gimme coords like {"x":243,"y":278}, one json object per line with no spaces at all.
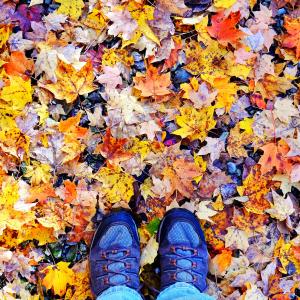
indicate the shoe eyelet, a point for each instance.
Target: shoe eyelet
{"x":194,"y":265}
{"x":172,"y":249}
{"x":194,"y":279}
{"x":105,"y":268}
{"x":106,"y":280}
{"x":103,"y":255}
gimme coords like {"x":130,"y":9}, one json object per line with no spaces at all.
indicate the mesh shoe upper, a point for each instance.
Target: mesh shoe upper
{"x":183,"y":250}
{"x":115,"y":253}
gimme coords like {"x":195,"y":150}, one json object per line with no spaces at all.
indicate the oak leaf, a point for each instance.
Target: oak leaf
{"x":224,"y":28}
{"x":71,"y":83}
{"x":57,"y":277}
{"x":153,"y":84}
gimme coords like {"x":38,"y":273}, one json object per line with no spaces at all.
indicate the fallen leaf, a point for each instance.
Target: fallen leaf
{"x":149,"y":253}
{"x":70,"y":7}
{"x":71,"y":83}
{"x":224,"y":28}
{"x":282,"y":208}
{"x":57,"y":277}
{"x":153,"y":84}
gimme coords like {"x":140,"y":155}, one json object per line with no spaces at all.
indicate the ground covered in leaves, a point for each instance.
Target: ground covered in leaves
{"x":148,"y":106}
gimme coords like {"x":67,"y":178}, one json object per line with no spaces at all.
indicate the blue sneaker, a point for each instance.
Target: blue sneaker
{"x":182,"y":249}
{"x":115,"y":253}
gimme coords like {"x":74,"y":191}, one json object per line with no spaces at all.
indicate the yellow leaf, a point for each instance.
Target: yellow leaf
{"x":200,"y":162}
{"x":57,"y":277}
{"x":40,"y":233}
{"x":9,"y":193}
{"x":38,"y":172}
{"x":223,"y":3}
{"x":246,"y":124}
{"x":17,"y":94}
{"x":5,"y":31}
{"x":95,"y":20}
{"x":142,"y":16}
{"x":226,"y":92}
{"x":116,"y":184}
{"x":195,"y":123}
{"x":71,"y":83}
{"x":71,"y":8}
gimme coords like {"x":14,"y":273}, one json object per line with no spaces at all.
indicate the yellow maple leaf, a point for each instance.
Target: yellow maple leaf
{"x":95,"y":20}
{"x":9,"y":193}
{"x":38,"y":172}
{"x":5,"y":31}
{"x":226,"y":92}
{"x":17,"y":94}
{"x":57,"y":277}
{"x":71,"y":8}
{"x":71,"y":83}
{"x":116,"y":184}
{"x":195,"y":123}
{"x":142,"y":16}
{"x":223,"y":3}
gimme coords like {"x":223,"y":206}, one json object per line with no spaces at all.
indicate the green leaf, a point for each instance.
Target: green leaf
{"x":152,"y":227}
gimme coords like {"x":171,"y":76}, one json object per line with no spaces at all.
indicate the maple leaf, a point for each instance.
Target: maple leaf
{"x":224,"y":28}
{"x":153,"y":84}
{"x":116,"y":184}
{"x":111,"y":77}
{"x":57,"y":277}
{"x":195,"y":124}
{"x":38,"y":172}
{"x":122,"y":24}
{"x":19,"y":65}
{"x":236,"y":239}
{"x":181,"y":175}
{"x":18,"y":93}
{"x":71,"y":8}
{"x":113,"y":149}
{"x":274,"y":156}
{"x":220,"y":263}
{"x":204,"y":212}
{"x":292,"y":38}
{"x":71,"y":83}
{"x":5,"y":31}
{"x":282,"y":208}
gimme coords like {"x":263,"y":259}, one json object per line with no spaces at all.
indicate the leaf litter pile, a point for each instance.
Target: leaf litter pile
{"x":149,"y":106}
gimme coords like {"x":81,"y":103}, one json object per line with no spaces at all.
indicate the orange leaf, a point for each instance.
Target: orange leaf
{"x":274,"y":156}
{"x":224,"y":28}
{"x":41,"y":193}
{"x":153,"y":84}
{"x":222,"y":261}
{"x":292,"y":38}
{"x":70,"y":191}
{"x":71,"y":126}
{"x":113,"y":149}
{"x":19,"y":65}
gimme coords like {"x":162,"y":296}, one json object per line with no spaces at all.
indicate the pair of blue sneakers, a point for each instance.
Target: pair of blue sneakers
{"x":115,"y":251}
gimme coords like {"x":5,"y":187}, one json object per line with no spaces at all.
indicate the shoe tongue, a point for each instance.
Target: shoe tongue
{"x":184,"y":263}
